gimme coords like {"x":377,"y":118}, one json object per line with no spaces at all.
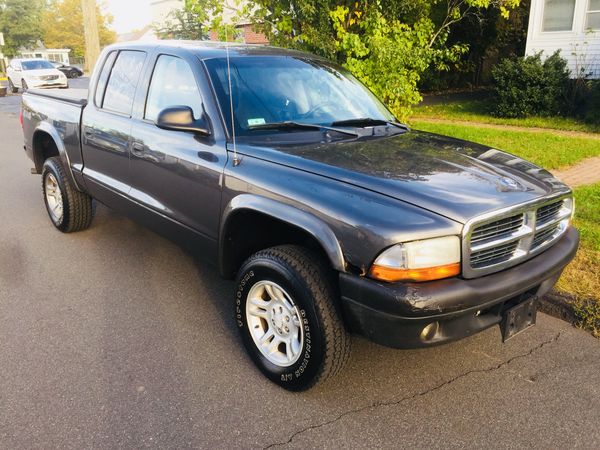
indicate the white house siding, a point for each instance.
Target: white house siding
{"x":580,"y":47}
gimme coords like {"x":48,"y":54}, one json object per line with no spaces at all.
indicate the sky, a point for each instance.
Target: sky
{"x":128,"y":15}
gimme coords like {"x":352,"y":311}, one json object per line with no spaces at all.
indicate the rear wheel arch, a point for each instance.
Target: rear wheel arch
{"x":44,"y":147}
{"x":253,"y":223}
{"x":46,"y":143}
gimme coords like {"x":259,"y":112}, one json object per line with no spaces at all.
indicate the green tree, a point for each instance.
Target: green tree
{"x":186,"y":23}
{"x":20,"y":23}
{"x":199,"y":17}
{"x":62,"y":26}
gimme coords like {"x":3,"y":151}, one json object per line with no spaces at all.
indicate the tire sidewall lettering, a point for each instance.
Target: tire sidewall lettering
{"x":309,"y":361}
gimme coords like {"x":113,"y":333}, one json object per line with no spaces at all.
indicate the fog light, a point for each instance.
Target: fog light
{"x":430,"y":331}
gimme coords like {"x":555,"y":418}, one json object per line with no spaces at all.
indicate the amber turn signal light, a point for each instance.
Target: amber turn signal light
{"x":383,"y":273}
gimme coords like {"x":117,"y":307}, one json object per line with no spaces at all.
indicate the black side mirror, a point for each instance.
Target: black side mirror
{"x":181,"y":118}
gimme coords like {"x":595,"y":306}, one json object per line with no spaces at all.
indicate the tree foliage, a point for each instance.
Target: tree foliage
{"x":20,"y":23}
{"x":190,"y":22}
{"x":198,"y":18}
{"x":62,"y":26}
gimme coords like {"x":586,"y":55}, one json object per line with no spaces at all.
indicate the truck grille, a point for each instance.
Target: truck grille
{"x":493,"y":255}
{"x":49,"y":77}
{"x":498,"y":241}
{"x":497,"y":228}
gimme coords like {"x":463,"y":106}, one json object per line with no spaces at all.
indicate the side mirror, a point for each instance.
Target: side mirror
{"x":181,"y":118}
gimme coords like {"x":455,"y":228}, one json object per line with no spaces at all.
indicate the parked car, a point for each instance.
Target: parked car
{"x":288,"y":174}
{"x":34,"y":73}
{"x":69,"y":71}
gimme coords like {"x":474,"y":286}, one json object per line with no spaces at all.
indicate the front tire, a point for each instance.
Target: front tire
{"x":286,"y":314}
{"x":69,"y":209}
{"x":24,"y":85}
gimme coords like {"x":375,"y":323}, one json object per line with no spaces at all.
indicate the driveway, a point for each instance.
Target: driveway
{"x":116,"y":338}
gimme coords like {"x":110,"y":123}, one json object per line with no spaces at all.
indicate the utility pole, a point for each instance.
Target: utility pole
{"x":90,"y":31}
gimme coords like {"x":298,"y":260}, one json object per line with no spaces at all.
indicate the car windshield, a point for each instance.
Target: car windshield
{"x":275,"y":89}
{"x":37,"y":65}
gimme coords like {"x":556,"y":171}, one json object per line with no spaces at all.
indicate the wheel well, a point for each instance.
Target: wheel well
{"x":44,"y":147}
{"x":249,"y":231}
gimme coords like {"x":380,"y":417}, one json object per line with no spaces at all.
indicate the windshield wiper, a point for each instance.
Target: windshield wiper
{"x":367,"y":122}
{"x":291,"y":125}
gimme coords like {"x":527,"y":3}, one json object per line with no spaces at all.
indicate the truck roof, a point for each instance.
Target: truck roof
{"x":215,"y":49}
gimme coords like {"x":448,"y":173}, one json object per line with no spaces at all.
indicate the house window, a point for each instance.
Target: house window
{"x":558,"y":15}
{"x":593,"y":15}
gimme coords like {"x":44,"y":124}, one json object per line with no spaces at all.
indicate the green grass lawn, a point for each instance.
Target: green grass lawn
{"x":540,"y":147}
{"x":581,"y":279}
{"x":480,"y":110}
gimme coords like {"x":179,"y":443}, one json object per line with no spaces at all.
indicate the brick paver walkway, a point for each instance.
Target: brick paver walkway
{"x":585,"y":172}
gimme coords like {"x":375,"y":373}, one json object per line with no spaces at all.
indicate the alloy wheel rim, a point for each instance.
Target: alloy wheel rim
{"x":53,"y":198}
{"x":274,"y":323}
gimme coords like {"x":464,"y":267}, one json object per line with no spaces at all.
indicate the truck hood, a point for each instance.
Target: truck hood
{"x":452,"y":177}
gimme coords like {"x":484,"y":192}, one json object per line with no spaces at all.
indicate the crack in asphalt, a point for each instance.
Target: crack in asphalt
{"x":415,"y":395}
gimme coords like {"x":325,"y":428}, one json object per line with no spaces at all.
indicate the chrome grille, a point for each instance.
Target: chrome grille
{"x":502,"y":239}
{"x":542,"y":236}
{"x":50,"y":77}
{"x":498,"y":228}
{"x":548,"y":212}
{"x":493,"y":255}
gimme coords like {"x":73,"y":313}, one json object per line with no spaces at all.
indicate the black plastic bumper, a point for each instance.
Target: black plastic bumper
{"x":395,"y":314}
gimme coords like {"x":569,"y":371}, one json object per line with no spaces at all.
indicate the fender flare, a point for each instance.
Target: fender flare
{"x":47,"y":128}
{"x":291,"y":215}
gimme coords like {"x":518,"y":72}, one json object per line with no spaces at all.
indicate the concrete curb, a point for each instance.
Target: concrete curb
{"x":557,"y":305}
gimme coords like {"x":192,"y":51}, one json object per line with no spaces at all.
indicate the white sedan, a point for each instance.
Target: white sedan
{"x":34,"y":73}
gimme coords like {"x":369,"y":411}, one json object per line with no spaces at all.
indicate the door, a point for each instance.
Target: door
{"x":106,"y":125}
{"x":14,"y":72}
{"x":176,"y":173}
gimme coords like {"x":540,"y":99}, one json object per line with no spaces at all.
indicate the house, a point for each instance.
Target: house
{"x":60,"y":55}
{"x":571,"y":26}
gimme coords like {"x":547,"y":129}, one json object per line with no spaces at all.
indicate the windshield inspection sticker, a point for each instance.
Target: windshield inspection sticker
{"x":253,"y":122}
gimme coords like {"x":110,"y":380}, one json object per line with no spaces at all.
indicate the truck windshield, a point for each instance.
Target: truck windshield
{"x":275,"y":89}
{"x":36,"y":65}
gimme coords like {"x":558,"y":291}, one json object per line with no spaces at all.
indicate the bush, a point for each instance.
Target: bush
{"x":529,"y":86}
{"x":592,"y":113}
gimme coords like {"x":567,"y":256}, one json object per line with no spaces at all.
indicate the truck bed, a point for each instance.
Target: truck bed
{"x":75,"y":96}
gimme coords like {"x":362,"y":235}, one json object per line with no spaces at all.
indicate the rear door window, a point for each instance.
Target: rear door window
{"x":120,"y":90}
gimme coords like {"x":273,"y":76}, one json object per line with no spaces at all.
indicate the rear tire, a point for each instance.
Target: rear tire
{"x":69,"y":209}
{"x":284,"y":292}
{"x":12,"y":87}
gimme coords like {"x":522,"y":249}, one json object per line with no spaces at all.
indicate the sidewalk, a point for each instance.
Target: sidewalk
{"x":585,"y":172}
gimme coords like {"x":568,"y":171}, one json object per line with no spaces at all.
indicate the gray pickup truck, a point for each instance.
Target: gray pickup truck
{"x":290,"y":176}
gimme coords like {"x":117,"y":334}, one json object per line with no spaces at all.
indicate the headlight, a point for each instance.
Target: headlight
{"x":429,"y":259}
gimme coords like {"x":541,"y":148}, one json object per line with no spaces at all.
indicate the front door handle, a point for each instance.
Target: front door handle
{"x":138,"y":149}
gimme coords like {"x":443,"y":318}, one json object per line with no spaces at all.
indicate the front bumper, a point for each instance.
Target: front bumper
{"x":47,"y":84}
{"x":395,"y":314}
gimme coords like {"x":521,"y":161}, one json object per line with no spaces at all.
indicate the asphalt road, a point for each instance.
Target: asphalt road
{"x":116,"y":338}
